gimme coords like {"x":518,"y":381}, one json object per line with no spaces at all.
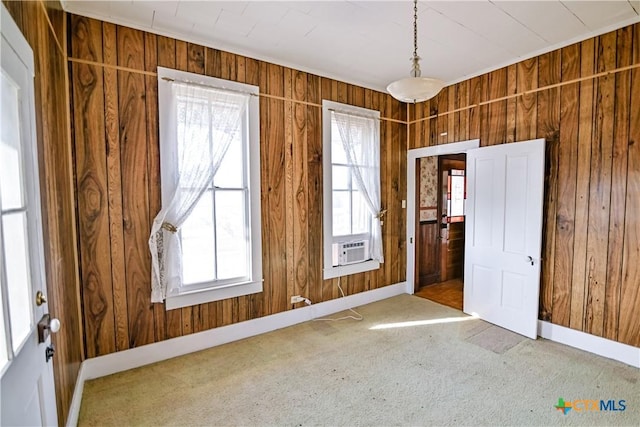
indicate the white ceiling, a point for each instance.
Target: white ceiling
{"x":369,"y":43}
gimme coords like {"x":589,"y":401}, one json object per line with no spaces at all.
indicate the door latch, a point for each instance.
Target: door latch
{"x":48,"y":353}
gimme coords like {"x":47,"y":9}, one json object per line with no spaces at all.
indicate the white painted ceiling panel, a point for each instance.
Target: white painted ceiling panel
{"x":167,"y":24}
{"x":295,"y":24}
{"x":597,"y":13}
{"x":553,"y":22}
{"x":204,"y":13}
{"x":369,"y":43}
{"x":492,"y":24}
{"x":167,"y":7}
{"x":270,"y":16}
{"x":95,"y":8}
{"x":133,"y":13}
{"x":461,"y":40}
{"x":233,"y":24}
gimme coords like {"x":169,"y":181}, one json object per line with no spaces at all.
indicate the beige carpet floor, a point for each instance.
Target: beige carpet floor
{"x":409,"y":362}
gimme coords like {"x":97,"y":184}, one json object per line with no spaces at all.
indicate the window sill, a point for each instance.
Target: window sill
{"x":188,"y":299}
{"x":345,"y":270}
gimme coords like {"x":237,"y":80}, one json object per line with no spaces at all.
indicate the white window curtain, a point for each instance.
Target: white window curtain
{"x":202,"y":123}
{"x":360,"y":139}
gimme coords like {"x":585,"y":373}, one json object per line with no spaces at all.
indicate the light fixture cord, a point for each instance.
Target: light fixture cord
{"x":415,"y":28}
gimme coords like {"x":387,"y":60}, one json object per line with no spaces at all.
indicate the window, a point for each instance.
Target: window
{"x":352,"y":225}
{"x":210,"y":153}
{"x":456,"y":193}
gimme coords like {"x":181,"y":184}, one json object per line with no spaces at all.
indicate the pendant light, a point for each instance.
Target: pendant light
{"x":415,"y":88}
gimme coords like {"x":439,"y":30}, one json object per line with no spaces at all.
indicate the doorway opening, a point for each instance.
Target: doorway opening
{"x":503,"y":227}
{"x":440,"y":193}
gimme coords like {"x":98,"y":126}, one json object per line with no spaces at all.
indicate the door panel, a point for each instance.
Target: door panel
{"x":428,"y":253}
{"x":482,"y":212}
{"x":504,"y":225}
{"x":515,"y":217}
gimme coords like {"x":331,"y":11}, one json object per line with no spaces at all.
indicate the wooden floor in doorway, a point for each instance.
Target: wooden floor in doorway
{"x":447,"y":293}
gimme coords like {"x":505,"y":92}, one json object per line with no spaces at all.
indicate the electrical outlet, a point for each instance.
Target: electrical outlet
{"x":296,"y":299}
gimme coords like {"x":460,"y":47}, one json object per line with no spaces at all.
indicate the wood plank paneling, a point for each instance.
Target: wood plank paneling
{"x":453,"y":122}
{"x":442,"y":100}
{"x":512,"y":87}
{"x":548,"y":127}
{"x":600,"y":189}
{"x":114,"y":186}
{"x":275,"y":217}
{"x":475,"y":92}
{"x":526,"y":104}
{"x":495,"y":121}
{"x":135,"y":195}
{"x":401,"y":173}
{"x":91,"y":188}
{"x":583,"y":177}
{"x":288,"y":188}
{"x":463,"y":101}
{"x":314,"y":188}
{"x":629,"y":324}
{"x":618,"y":184}
{"x":300,"y":194}
{"x":566,"y":187}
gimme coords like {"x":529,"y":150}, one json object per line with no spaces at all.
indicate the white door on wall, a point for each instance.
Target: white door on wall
{"x":27,"y":390}
{"x":505,"y":190}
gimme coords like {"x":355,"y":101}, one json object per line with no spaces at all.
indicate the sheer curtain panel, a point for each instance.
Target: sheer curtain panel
{"x":201,"y":124}
{"x":358,"y":135}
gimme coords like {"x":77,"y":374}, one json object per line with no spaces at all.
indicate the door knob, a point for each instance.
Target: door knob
{"x":40,"y":298}
{"x":54,"y":325}
{"x":47,"y":326}
{"x":530,"y":259}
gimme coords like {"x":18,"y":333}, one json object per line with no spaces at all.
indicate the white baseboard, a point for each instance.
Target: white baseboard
{"x":76,"y":400}
{"x":128,"y":359}
{"x":601,"y":346}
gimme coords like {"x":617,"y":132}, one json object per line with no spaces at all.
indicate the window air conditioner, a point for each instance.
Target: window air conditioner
{"x":346,"y":253}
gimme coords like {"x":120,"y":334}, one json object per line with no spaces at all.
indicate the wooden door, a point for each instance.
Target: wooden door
{"x":427,"y":225}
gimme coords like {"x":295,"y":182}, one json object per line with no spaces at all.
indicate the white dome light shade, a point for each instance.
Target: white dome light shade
{"x":415,"y":89}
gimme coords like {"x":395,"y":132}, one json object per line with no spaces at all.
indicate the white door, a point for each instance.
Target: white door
{"x":27,"y":391}
{"x":503,"y":236}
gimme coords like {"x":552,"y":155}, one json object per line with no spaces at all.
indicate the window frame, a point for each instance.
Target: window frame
{"x":222,"y":289}
{"x":329,"y":271}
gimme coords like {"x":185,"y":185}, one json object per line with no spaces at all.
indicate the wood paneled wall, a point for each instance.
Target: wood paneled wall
{"x":115,"y":122}
{"x":591,"y":249}
{"x":44,"y":26}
